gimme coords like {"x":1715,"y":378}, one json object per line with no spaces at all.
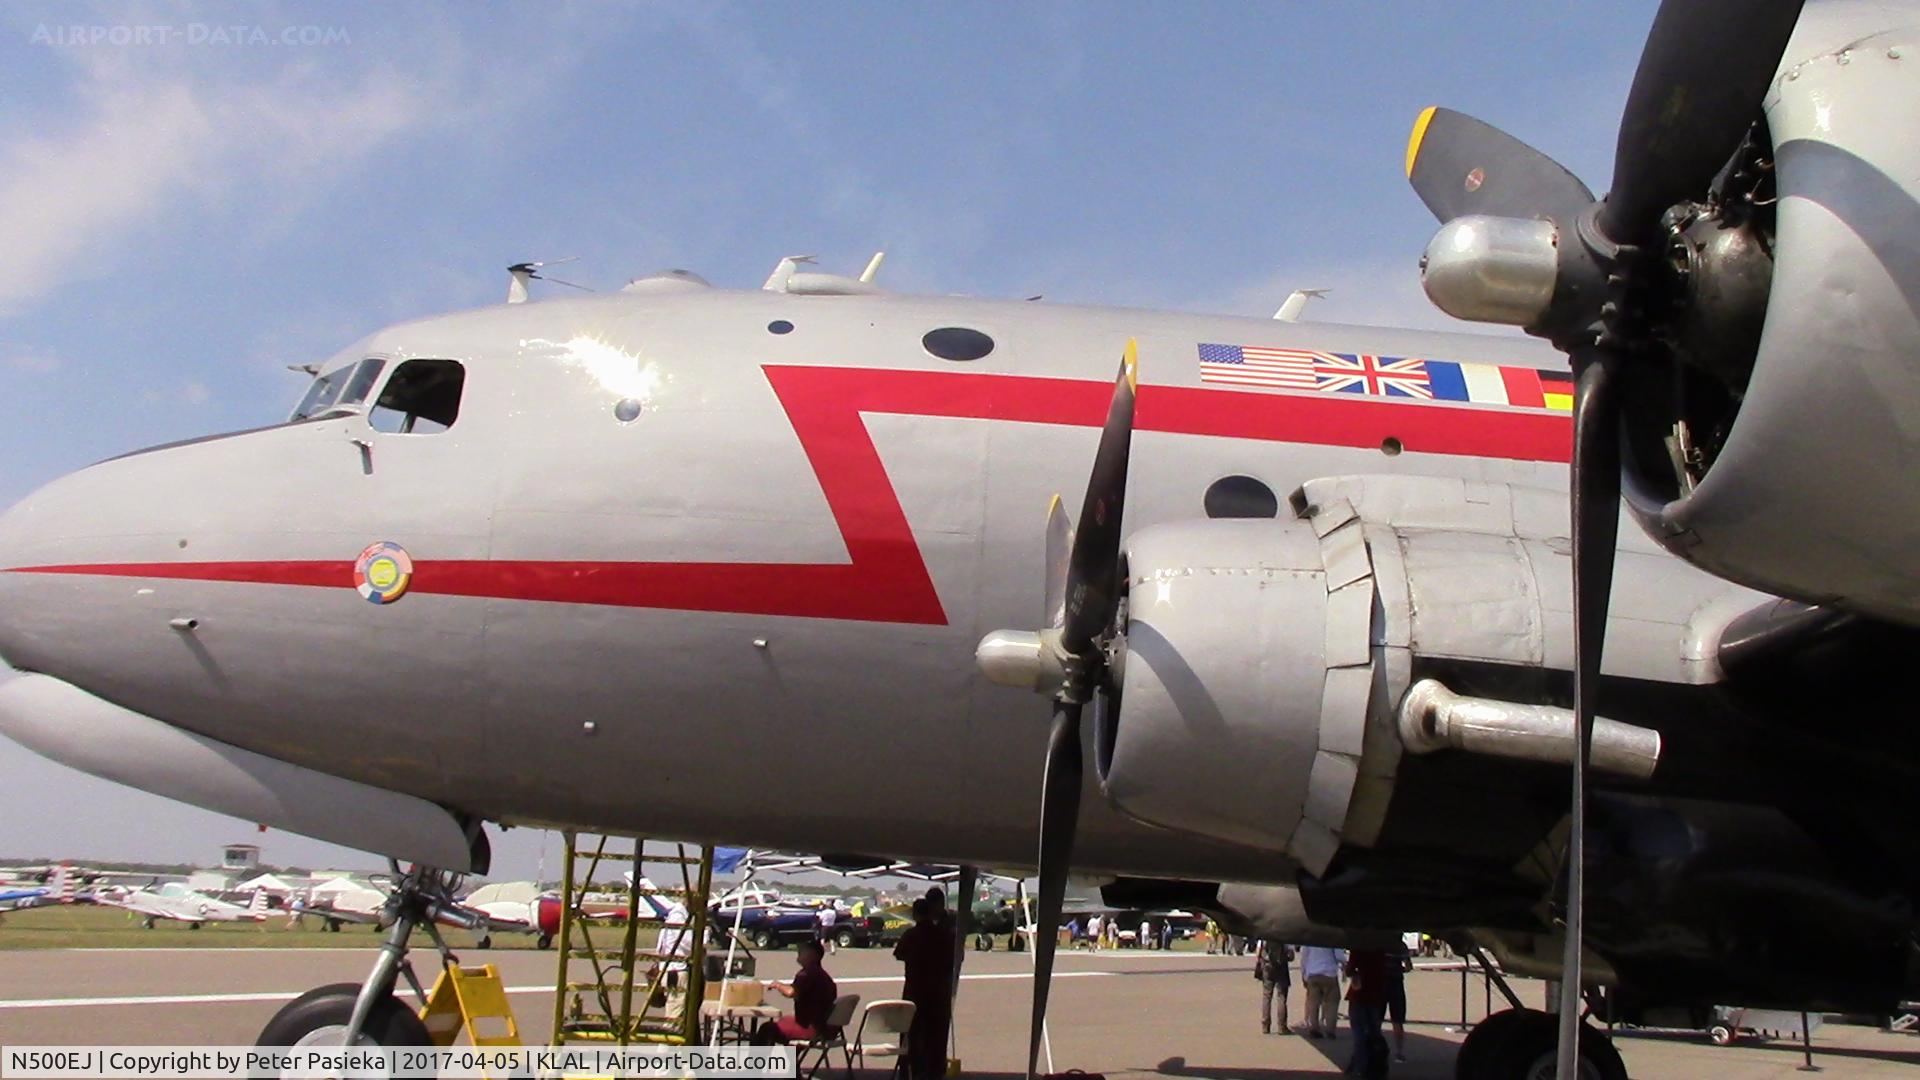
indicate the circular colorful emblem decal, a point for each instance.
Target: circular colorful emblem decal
{"x":383,"y":572}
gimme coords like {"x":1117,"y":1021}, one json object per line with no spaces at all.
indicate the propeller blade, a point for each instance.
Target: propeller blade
{"x":1596,"y":524}
{"x":558,"y":281}
{"x":1059,"y":817}
{"x":1705,"y":68}
{"x":1459,"y":165}
{"x":1092,"y":593}
{"x":1059,"y":550}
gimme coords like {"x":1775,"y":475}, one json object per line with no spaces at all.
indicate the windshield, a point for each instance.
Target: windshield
{"x":348,"y":384}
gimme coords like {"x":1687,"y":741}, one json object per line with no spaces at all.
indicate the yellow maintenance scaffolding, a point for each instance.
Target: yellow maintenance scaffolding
{"x":643,"y":944}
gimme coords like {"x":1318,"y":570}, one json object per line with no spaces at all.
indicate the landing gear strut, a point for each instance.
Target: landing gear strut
{"x":368,"y":1014}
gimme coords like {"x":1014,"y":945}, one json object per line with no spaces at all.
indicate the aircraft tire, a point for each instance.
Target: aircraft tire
{"x":1480,"y":1043}
{"x":982,"y":943}
{"x":333,"y":926}
{"x":485,"y":942}
{"x":543,"y":942}
{"x":1518,"y":1048}
{"x":147,"y":923}
{"x":311,"y":1018}
{"x":1721,"y":1035}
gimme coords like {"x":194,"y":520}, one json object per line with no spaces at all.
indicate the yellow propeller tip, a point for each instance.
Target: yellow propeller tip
{"x":1130,"y":363}
{"x":1419,"y":134}
{"x":1053,"y":504}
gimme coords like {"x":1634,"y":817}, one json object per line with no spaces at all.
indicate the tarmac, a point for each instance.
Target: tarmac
{"x":1133,"y":1014}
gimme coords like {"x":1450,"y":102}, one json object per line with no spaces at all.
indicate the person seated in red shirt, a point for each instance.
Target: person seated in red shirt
{"x":812,"y":991}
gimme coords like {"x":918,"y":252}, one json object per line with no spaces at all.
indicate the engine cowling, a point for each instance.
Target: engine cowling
{"x":1789,"y":466}
{"x":1264,"y":662}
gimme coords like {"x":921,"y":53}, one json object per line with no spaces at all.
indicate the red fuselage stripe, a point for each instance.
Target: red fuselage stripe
{"x":885,"y":578}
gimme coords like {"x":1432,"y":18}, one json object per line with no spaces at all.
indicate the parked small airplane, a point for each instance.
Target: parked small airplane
{"x":59,"y":889}
{"x":175,"y":902}
{"x":338,"y":903}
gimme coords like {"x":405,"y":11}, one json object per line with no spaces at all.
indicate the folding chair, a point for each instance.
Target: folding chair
{"x":880,"y":1020}
{"x":833,"y":1035}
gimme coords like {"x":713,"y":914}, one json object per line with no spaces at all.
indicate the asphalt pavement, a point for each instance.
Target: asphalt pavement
{"x":1178,"y":1014}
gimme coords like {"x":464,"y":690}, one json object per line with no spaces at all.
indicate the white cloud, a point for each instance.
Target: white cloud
{"x":1377,"y":293}
{"x":33,"y":363}
{"x":191,"y":392}
{"x":138,"y":142}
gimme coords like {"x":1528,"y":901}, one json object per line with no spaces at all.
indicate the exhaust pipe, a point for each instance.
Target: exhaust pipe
{"x":1433,"y":717}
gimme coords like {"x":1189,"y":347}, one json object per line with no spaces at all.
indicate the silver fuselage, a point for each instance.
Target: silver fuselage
{"x":747,"y":615}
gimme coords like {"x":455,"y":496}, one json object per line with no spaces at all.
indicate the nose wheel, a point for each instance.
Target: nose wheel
{"x":1520,"y":1044}
{"x":368,"y":1014}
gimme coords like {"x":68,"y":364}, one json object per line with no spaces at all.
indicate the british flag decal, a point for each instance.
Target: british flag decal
{"x":1381,"y":376}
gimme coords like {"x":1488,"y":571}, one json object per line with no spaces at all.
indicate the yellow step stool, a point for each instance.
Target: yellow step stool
{"x":473,"y":1000}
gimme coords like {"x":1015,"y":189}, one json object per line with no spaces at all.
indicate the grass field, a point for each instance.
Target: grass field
{"x":84,"y":926}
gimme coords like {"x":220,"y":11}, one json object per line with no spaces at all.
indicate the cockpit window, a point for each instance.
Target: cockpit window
{"x":422,"y":397}
{"x":346,"y":385}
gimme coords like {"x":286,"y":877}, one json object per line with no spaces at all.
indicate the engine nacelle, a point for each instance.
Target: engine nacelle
{"x":1265,"y":661}
{"x":1802,"y":483}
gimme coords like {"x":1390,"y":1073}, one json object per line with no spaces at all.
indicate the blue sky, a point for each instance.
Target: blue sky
{"x":183,"y":218}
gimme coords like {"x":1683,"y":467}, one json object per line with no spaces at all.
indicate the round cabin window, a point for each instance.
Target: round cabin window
{"x":1240,"y":497}
{"x":957,"y":343}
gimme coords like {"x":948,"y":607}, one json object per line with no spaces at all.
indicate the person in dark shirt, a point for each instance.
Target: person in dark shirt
{"x":1399,"y":963}
{"x":813,"y":993}
{"x":1366,"y":1008}
{"x":927,"y":951}
{"x":1273,"y":966}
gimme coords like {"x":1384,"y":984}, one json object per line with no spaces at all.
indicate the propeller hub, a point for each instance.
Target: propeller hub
{"x":1023,"y":659}
{"x":1493,"y":269}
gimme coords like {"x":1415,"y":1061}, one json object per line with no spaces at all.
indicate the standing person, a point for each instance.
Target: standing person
{"x":926,"y":949}
{"x":1272,"y":965}
{"x":1320,"y":970}
{"x":1095,"y":930}
{"x":1166,"y":934}
{"x":1366,"y":1008}
{"x":1213,"y":937}
{"x":813,"y":993}
{"x":824,"y":921}
{"x":1399,"y":962}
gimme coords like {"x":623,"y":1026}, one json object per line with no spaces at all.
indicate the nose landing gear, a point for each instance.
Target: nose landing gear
{"x":1519,"y":1044}
{"x":368,"y":1014}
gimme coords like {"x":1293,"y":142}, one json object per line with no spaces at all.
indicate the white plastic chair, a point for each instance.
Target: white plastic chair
{"x":882,"y":1033}
{"x":835,"y":1034}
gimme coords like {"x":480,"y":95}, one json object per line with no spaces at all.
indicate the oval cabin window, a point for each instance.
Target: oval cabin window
{"x":957,"y":343}
{"x":1240,"y":497}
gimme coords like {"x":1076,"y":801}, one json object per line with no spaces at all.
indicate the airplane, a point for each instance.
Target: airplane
{"x":59,"y":889}
{"x":174,"y":902}
{"x":1318,"y":595}
{"x":338,"y":903}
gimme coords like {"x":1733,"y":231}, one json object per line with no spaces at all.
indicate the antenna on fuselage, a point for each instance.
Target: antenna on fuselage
{"x":873,"y":267}
{"x":1296,"y":302}
{"x":777,"y":281}
{"x":519,"y":274}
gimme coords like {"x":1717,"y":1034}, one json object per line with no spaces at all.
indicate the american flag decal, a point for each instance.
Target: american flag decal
{"x":1385,"y":376}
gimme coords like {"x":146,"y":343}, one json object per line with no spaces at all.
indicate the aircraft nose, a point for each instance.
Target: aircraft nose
{"x":51,"y":620}
{"x":12,"y":550}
